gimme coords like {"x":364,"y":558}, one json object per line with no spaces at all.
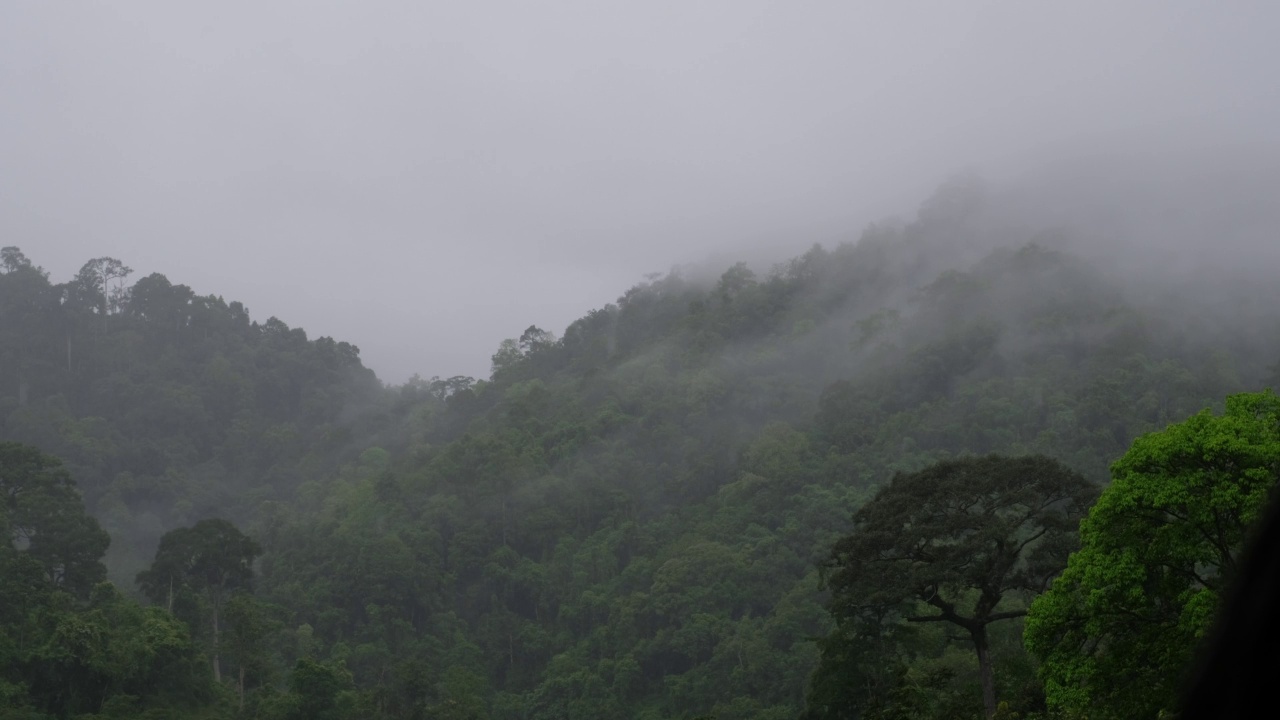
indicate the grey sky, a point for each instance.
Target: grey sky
{"x":426,"y":178}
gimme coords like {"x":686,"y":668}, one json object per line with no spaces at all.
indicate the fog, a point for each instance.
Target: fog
{"x":425,"y":179}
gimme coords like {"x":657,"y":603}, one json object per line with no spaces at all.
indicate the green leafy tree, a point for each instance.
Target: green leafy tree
{"x":973,"y":530}
{"x":248,"y":628}
{"x":114,"y":653}
{"x":45,"y":519}
{"x":1118,"y":628}
{"x":607,"y":526}
{"x":508,"y":355}
{"x":69,"y":643}
{"x":213,"y":559}
{"x":317,"y":691}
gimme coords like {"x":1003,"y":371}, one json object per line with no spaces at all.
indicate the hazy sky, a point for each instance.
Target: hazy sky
{"x":426,"y":178}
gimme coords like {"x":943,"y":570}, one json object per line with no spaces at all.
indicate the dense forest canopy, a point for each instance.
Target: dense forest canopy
{"x":628,"y":520}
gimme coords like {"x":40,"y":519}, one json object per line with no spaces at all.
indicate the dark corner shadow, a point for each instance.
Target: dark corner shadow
{"x":1240,"y":659}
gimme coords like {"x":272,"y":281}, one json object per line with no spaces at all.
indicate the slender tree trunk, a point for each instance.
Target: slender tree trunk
{"x":240,"y":687}
{"x":217,"y":665}
{"x":979,"y":634}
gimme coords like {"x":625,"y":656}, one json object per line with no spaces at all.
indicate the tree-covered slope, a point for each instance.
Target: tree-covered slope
{"x":625,"y":521}
{"x":167,"y":406}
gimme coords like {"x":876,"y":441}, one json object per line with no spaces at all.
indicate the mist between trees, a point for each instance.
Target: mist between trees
{"x":684,"y":505}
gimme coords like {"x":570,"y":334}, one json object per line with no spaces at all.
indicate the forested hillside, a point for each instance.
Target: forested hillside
{"x":627,"y":521}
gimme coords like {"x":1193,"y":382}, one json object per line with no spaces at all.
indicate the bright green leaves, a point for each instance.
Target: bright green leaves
{"x":1118,"y":627}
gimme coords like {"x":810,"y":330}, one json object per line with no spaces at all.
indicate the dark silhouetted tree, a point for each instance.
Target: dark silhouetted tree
{"x":969,"y":531}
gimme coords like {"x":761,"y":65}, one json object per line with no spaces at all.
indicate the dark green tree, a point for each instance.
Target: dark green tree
{"x":317,"y":691}
{"x":44,"y":518}
{"x":248,"y":626}
{"x":213,"y":559}
{"x":974,"y":531}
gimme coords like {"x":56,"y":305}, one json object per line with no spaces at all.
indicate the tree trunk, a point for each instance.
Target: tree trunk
{"x":240,"y":687}
{"x":504,"y":520}
{"x":979,"y":634}
{"x":217,"y":666}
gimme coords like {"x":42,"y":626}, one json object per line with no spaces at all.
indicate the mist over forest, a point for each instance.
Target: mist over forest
{"x":331,"y":163}
{"x":641,"y":515}
{"x":731,"y":360}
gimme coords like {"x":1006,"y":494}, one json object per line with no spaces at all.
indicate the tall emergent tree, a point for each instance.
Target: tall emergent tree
{"x":100,"y":285}
{"x":973,"y":530}
{"x":213,"y":559}
{"x":1116,"y":632}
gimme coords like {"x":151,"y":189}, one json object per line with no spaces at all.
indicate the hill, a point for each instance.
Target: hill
{"x":627,"y":520}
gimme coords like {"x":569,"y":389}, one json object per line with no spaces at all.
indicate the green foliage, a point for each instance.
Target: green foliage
{"x":65,"y":650}
{"x":167,"y":406}
{"x":979,"y":529}
{"x":45,"y":519}
{"x":212,"y":556}
{"x":205,"y":563}
{"x":316,"y":692}
{"x":1117,"y":629}
{"x":623,"y":522}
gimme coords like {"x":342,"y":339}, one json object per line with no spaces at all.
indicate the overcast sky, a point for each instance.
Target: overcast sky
{"x":426,"y":178}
